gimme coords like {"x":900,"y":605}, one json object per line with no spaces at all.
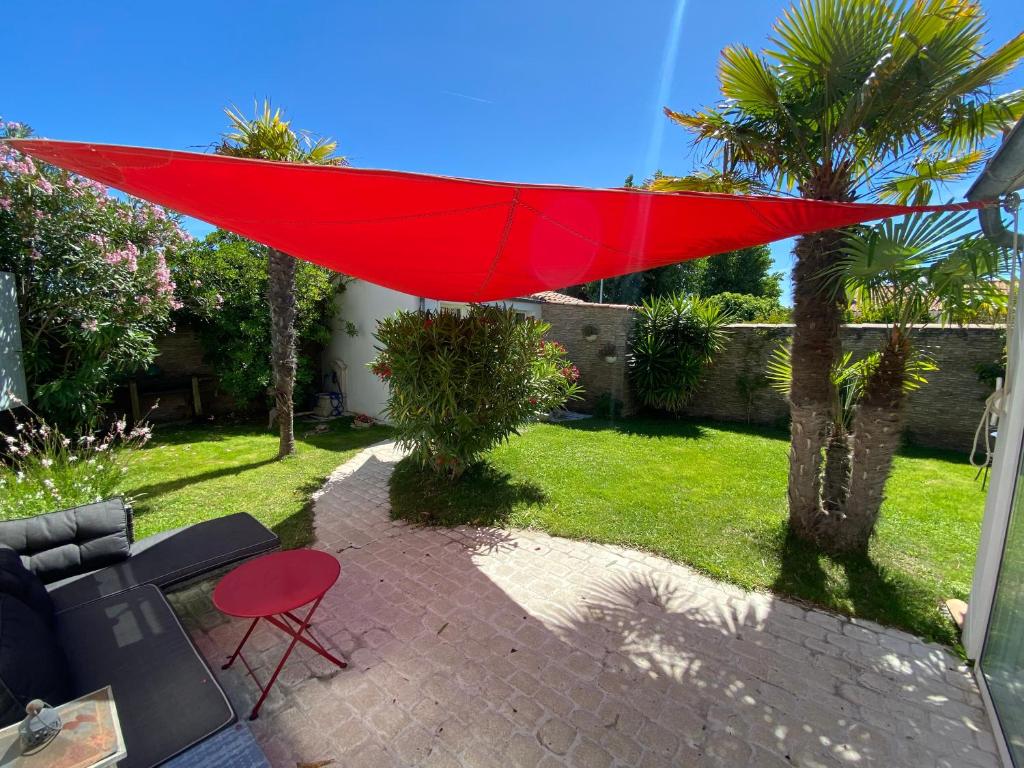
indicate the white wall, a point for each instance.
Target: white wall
{"x":362,"y":304}
{"x":12,"y":374}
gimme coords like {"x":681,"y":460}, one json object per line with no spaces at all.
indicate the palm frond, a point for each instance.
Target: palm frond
{"x":916,"y":185}
{"x":990,"y":68}
{"x":921,"y":264}
{"x":734,"y":183}
{"x":268,"y":136}
{"x":779,"y":369}
{"x":970,"y":122}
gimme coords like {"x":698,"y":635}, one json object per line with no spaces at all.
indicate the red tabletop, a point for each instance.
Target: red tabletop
{"x":276,"y":583}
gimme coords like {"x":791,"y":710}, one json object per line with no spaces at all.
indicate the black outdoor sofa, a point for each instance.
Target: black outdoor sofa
{"x":82,"y":607}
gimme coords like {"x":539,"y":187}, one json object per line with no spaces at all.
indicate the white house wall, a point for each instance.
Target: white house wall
{"x":362,"y":304}
{"x":12,"y":374}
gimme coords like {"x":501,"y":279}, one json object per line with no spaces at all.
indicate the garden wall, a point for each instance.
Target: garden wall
{"x":944,"y":413}
{"x":613,"y":322}
{"x":170,"y":382}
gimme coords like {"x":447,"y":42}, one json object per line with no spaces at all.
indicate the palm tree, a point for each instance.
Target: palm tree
{"x":913,"y":267}
{"x":856,"y":99}
{"x":268,"y":136}
{"x":847,"y":385}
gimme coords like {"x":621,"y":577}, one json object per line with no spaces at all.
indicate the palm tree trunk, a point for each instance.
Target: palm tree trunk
{"x":816,"y":318}
{"x":877,"y":429}
{"x":283,"y":310}
{"x":837,"y":469}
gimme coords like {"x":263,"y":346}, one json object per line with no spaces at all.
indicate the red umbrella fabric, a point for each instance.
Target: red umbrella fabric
{"x":449,"y":238}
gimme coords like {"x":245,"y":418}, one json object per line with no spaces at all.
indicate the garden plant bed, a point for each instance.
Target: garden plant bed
{"x":713,"y":496}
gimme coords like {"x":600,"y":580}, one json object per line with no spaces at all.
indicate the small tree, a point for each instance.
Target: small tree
{"x":268,"y":136}
{"x":744,"y":308}
{"x":94,"y":288}
{"x":461,"y":385}
{"x":674,"y":339}
{"x":911,"y":266}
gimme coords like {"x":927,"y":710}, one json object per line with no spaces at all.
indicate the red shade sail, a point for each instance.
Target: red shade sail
{"x":449,"y":238}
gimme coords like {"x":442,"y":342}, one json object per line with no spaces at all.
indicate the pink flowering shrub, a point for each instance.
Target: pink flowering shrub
{"x":47,"y":470}
{"x":461,"y":385}
{"x":94,"y":286}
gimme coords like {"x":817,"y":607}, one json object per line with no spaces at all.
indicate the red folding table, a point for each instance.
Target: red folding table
{"x":271,"y":588}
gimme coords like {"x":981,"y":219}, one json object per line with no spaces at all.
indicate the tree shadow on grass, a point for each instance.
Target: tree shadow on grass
{"x":639,"y":427}
{"x":338,"y":436}
{"x":146,"y":492}
{"x":667,"y":426}
{"x":296,"y":530}
{"x":183,"y":434}
{"x":869,"y":591}
{"x":483,"y":495}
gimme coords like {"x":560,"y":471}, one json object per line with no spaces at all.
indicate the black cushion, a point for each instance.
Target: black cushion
{"x":32,"y":665}
{"x":167,"y":699}
{"x":72,"y":541}
{"x":172,"y":557}
{"x":16,"y":580}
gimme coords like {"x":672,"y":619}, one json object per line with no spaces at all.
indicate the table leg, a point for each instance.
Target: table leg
{"x":238,"y":650}
{"x":311,"y":642}
{"x":296,"y":638}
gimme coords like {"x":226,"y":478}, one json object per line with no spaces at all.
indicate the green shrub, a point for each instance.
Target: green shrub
{"x":222,"y":283}
{"x":673,"y":340}
{"x":47,"y":470}
{"x":744,"y":308}
{"x":460,"y":385}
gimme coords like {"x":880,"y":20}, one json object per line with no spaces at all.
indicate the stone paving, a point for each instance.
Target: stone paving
{"x":484,"y":647}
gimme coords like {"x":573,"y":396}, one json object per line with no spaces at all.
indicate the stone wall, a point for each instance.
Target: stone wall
{"x":944,"y":413}
{"x":613,"y":322}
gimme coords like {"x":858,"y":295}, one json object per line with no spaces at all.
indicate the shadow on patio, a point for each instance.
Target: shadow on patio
{"x":477,"y":647}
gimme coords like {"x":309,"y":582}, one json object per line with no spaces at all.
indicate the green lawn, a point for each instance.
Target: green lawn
{"x":713,"y":496}
{"x":188,"y":474}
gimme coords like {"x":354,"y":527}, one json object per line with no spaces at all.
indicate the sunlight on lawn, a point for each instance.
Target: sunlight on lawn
{"x":189,"y":474}
{"x":713,"y":496}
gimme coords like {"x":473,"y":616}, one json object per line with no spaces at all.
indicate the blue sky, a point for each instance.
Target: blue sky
{"x":557,"y":92}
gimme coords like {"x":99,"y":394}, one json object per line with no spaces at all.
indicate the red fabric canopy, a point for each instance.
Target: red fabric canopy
{"x":449,"y":238}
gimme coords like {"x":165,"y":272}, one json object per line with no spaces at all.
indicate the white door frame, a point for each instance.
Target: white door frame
{"x":994,"y":524}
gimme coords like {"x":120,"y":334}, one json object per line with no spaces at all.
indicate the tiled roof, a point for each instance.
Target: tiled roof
{"x":554,"y":297}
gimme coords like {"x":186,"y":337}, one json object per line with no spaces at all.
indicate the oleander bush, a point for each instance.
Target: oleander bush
{"x":459,"y":385}
{"x":94,"y":286}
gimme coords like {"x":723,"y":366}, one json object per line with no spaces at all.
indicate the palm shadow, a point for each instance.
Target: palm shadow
{"x":483,"y":495}
{"x":871,"y":592}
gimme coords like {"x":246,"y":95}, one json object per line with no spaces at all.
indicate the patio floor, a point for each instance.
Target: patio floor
{"x":481,"y":647}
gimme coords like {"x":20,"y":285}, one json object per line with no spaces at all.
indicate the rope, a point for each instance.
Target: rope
{"x":996,"y":403}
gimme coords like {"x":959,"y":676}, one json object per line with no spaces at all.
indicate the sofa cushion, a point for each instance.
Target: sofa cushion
{"x":72,"y":541}
{"x":167,"y":699}
{"x":172,"y":557}
{"x":18,"y":581}
{"x":32,"y":665}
